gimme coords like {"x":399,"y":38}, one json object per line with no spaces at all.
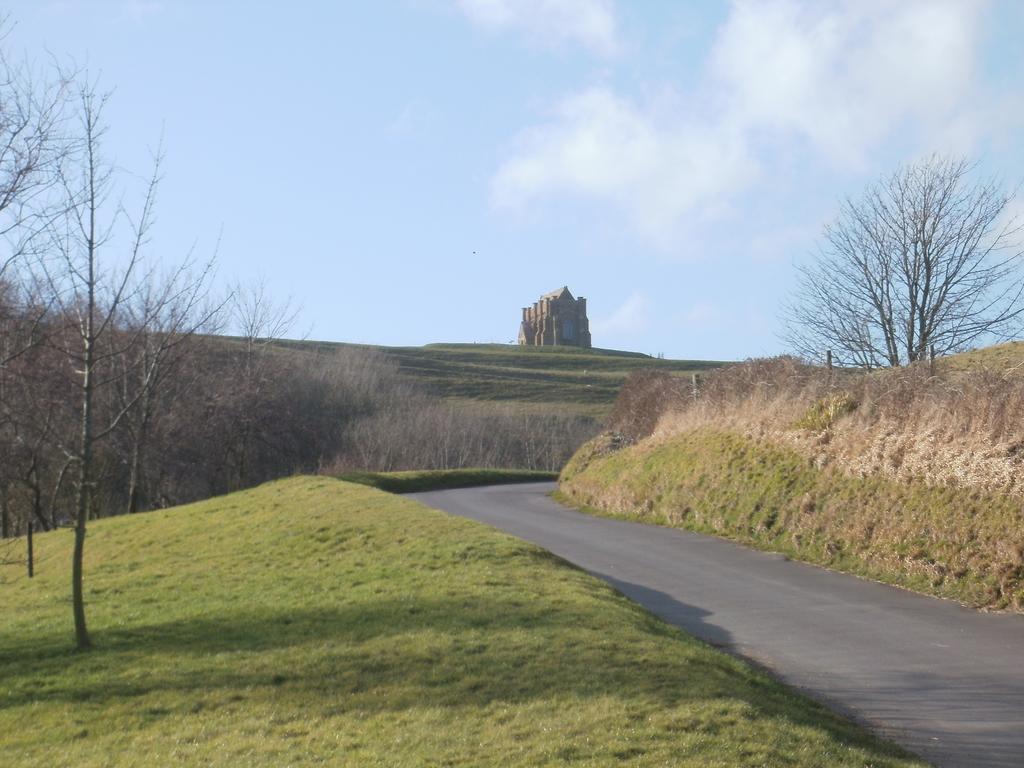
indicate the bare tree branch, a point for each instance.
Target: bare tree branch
{"x":924,"y":260}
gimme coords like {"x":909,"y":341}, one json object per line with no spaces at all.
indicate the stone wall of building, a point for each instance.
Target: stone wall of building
{"x":557,"y":318}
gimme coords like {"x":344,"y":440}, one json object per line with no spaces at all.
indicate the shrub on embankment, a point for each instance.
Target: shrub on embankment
{"x":904,"y":476}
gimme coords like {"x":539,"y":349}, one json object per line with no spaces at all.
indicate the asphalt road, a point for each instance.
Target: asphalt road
{"x":944,"y":681}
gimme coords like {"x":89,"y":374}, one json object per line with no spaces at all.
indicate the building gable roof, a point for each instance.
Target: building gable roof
{"x":560,"y":293}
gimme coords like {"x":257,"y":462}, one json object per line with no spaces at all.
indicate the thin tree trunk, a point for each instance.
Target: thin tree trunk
{"x":138,"y":449}
{"x":133,"y":481}
{"x":82,"y":501}
{"x":85,"y":456}
{"x":78,"y":599}
{"x":140,"y":435}
{"x":5,"y":521}
{"x":81,"y":513}
{"x":135,"y":472}
{"x":56,"y":493}
{"x":84,"y":479}
{"x":32,"y":481}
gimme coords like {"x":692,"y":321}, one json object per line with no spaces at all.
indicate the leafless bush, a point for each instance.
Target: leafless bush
{"x":424,"y":433}
{"x":643,"y":400}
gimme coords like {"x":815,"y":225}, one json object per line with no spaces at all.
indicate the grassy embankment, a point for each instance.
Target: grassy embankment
{"x":439,"y":479}
{"x":1006,"y":356}
{"x":900,"y":476}
{"x":586,"y":381}
{"x":311,"y":621}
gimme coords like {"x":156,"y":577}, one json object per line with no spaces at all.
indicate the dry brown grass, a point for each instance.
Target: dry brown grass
{"x":958,"y":426}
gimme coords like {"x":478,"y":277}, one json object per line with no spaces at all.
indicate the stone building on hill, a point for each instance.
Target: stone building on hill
{"x":556,"y":318}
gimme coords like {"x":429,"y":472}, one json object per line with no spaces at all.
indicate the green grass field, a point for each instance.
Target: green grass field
{"x":587,"y":380}
{"x":315,"y":622}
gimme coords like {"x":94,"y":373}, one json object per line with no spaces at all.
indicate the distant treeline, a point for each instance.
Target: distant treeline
{"x":217,"y":415}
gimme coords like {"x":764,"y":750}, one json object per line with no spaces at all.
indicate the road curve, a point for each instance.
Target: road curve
{"x":944,"y":681}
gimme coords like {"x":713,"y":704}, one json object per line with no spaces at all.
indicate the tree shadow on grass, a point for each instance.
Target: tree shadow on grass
{"x":679,"y":614}
{"x":396,"y":655}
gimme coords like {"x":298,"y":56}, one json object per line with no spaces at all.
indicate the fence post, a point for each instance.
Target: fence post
{"x":694,"y":384}
{"x":931,"y":359}
{"x":31,"y":569}
{"x":828,"y":365}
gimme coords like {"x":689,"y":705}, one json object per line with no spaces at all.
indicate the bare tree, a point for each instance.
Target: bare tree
{"x":32,"y":117}
{"x":163,"y":316}
{"x":88,"y":300}
{"x":258,"y":318}
{"x":33,"y":113}
{"x":926,"y":259}
{"x":110,"y":312}
{"x":260,"y":321}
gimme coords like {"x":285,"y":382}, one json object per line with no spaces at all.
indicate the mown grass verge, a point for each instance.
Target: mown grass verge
{"x":412,"y":481}
{"x":311,"y":621}
{"x":954,"y":542}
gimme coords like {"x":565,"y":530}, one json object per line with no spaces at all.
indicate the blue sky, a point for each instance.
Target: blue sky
{"x":412,"y":171}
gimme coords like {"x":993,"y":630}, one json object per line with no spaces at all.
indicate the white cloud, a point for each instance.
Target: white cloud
{"x":632,"y":316}
{"x":590,"y":23}
{"x":843,"y":75}
{"x":654,"y":167}
{"x":825,"y":82}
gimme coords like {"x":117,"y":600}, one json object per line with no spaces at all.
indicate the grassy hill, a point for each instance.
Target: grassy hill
{"x":311,"y":621}
{"x":585,"y":379}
